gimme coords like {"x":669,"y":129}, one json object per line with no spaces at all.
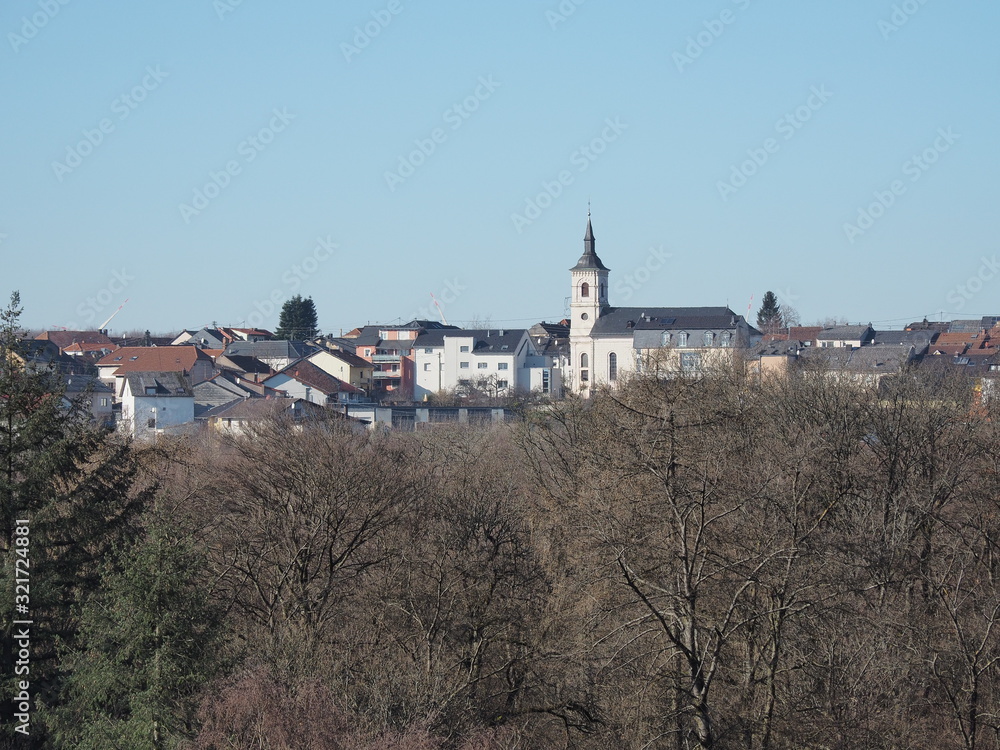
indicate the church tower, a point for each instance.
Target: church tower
{"x":588,"y":301}
{"x":589,"y":296}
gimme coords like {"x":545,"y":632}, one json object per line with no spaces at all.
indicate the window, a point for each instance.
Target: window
{"x":612,"y":366}
{"x":725,"y":338}
{"x":690,"y":361}
{"x":708,"y":339}
{"x":501,"y":384}
{"x":427,"y":366}
{"x":584,"y":376}
{"x":428,"y":351}
{"x":584,"y":360}
{"x":463,"y":349}
{"x":150,"y":390}
{"x":463,"y":365}
{"x":665,"y":338}
{"x":584,"y":316}
{"x":481,"y":365}
{"x":682,"y":339}
{"x":585,"y":289}
{"x":501,"y":365}
{"x":545,"y":381}
{"x":601,"y":295}
{"x":104,"y":402}
{"x":151,"y":423}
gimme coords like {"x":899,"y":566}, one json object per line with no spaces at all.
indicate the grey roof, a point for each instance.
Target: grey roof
{"x":919,"y":339}
{"x":486,"y":340}
{"x":81,"y":383}
{"x":966,"y":326}
{"x":865,"y":359}
{"x":242,"y":363}
{"x":270,"y":349}
{"x":218,"y":390}
{"x":165,"y":384}
{"x":844,"y":333}
{"x":555,"y":330}
{"x":589,"y":259}
{"x":618,"y":321}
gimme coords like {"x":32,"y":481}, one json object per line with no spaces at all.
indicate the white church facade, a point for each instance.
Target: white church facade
{"x":607,"y":343}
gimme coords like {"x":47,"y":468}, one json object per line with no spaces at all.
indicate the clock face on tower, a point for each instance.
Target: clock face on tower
{"x":584,"y":316}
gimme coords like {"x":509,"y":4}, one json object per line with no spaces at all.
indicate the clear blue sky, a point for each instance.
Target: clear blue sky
{"x":694,"y":91}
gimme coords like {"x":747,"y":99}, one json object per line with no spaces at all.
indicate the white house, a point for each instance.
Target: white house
{"x":500,"y":361}
{"x":154,"y":403}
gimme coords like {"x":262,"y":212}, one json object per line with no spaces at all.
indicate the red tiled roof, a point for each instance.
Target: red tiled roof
{"x":63,"y":339}
{"x":154,"y":358}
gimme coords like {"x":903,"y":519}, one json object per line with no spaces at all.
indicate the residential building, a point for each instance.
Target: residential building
{"x":302,"y":379}
{"x":154,"y":403}
{"x":494,"y":362}
{"x":190,"y":361}
{"x":345,"y":366}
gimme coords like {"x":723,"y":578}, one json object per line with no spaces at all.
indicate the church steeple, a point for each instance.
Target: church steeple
{"x":589,"y":258}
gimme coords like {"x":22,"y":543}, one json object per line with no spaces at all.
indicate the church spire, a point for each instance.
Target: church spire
{"x":589,"y":258}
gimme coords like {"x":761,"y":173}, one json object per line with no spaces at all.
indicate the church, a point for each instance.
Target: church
{"x":608,"y":342}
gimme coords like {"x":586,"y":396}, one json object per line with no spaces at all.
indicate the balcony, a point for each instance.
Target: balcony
{"x":378,"y":358}
{"x":386,"y":375}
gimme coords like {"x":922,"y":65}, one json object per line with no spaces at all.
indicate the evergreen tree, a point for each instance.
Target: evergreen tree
{"x":298,"y":319}
{"x":148,"y":644}
{"x":72,"y":482}
{"x":769,"y":317}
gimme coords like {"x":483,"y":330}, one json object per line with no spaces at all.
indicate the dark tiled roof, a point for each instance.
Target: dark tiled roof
{"x":485,"y":341}
{"x":270,"y":349}
{"x":843,"y":333}
{"x":619,"y":321}
{"x":309,"y":374}
{"x":65,"y":338}
{"x":918,"y":339}
{"x":349,"y":358}
{"x":165,"y":384}
{"x":589,"y":259}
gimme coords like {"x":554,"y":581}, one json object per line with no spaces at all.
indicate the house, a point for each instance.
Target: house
{"x":63,"y":339}
{"x":189,"y":361}
{"x":236,"y":416}
{"x":275,"y":354}
{"x":390,"y":349}
{"x":225,"y":388}
{"x":219,"y":337}
{"x":867,"y":365}
{"x":345,"y":366}
{"x":607,"y":342}
{"x":491,"y":361}
{"x":154,"y":403}
{"x":302,"y":379}
{"x":96,"y":397}
{"x":919,"y":340}
{"x":249,"y":367}
{"x":40,"y":354}
{"x":853,"y":337}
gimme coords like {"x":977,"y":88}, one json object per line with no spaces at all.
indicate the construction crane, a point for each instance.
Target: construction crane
{"x":104,"y":325}
{"x":440,"y":311}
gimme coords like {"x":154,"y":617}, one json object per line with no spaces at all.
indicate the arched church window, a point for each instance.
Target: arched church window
{"x":612,"y":366}
{"x":585,"y":289}
{"x":584,"y":360}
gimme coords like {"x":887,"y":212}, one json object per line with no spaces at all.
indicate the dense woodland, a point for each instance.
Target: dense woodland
{"x":691,"y":562}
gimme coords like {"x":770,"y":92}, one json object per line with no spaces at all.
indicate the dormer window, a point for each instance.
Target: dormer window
{"x":709,"y":338}
{"x":682,"y":339}
{"x":585,"y":289}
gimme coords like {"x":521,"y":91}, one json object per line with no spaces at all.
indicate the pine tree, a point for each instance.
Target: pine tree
{"x":149,"y":642}
{"x":72,"y":481}
{"x":769,"y":317}
{"x":298,"y":319}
